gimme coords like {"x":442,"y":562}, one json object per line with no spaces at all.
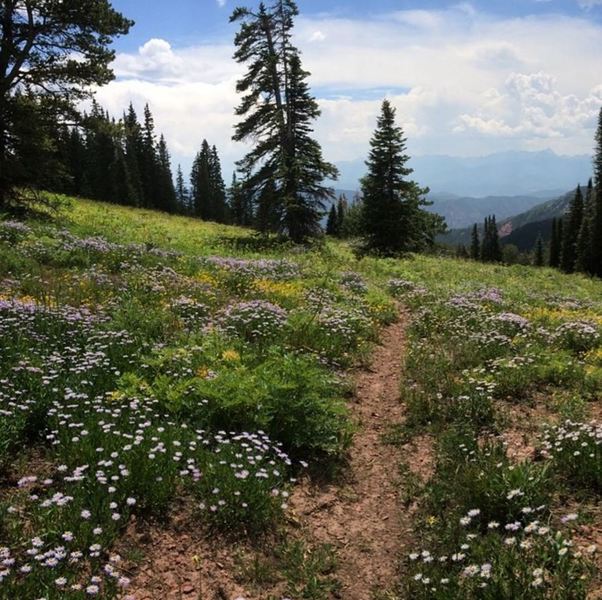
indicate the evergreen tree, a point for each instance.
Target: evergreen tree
{"x":342,"y":207}
{"x":269,"y":210}
{"x":200,"y":184}
{"x":133,"y":154}
{"x":475,"y":244}
{"x":393,"y":220}
{"x":217,"y":187}
{"x":165,"y":190}
{"x":555,"y":243}
{"x":462,"y":252}
{"x":277,"y":111}
{"x":596,"y":218}
{"x":38,"y":42}
{"x":182,"y":197}
{"x":583,"y":248}
{"x":538,"y":257}
{"x":148,"y":161}
{"x":490,"y":246}
{"x":332,"y":224}
{"x":571,"y":228}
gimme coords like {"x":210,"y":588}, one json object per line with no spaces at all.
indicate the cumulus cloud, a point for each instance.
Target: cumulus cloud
{"x":463,"y":82}
{"x":531,"y":105}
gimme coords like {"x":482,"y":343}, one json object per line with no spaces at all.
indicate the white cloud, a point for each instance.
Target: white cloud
{"x":221,"y":2}
{"x":589,"y":3}
{"x":463,"y":83}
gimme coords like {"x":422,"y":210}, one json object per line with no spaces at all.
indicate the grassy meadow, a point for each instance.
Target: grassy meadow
{"x":147,"y":358}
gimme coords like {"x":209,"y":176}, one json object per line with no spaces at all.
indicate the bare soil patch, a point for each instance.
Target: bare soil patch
{"x":361,"y":517}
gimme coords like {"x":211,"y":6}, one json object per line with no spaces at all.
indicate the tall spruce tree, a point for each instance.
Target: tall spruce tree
{"x":475,"y":244}
{"x":165,"y":190}
{"x":133,"y":154}
{"x":583,"y":247}
{"x":149,"y":161}
{"x":555,"y":243}
{"x":571,"y":228}
{"x":342,"y":208}
{"x":200,"y":183}
{"x":393,"y":220}
{"x":332,"y":224}
{"x":490,"y":246}
{"x":217,"y":189}
{"x":52,"y":52}
{"x":596,"y":218}
{"x":538,"y":252}
{"x":182,"y":197}
{"x":277,"y":112}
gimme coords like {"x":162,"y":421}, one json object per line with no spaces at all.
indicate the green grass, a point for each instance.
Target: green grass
{"x":149,"y":357}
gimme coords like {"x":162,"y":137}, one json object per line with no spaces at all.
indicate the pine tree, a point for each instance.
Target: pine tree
{"x":490,"y":246}
{"x":475,"y":244}
{"x":462,"y":252}
{"x":583,"y":247}
{"x":133,"y":154}
{"x":269,"y":210}
{"x":217,"y":189}
{"x":555,"y":243}
{"x":332,"y":224}
{"x":277,"y":112}
{"x":200,"y":184}
{"x":148,"y":161}
{"x":342,"y":208}
{"x":165,"y":193}
{"x":54,"y":53}
{"x":571,"y":228}
{"x":182,"y":197}
{"x":596,"y":219}
{"x":538,"y":257}
{"x":393,"y":220}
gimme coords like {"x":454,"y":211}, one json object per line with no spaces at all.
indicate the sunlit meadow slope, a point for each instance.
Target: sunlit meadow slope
{"x":148,"y":357}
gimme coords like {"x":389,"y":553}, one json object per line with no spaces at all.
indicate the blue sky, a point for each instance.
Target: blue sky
{"x":467,"y":78}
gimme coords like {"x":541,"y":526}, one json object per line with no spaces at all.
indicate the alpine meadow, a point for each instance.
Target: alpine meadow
{"x":300,"y":300}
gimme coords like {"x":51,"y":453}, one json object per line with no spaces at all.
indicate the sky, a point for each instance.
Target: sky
{"x":467,"y":78}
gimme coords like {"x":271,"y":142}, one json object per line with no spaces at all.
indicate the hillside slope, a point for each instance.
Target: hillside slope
{"x":541,"y":212}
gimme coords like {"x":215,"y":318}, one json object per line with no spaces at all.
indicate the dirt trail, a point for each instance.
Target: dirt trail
{"x":363,"y":518}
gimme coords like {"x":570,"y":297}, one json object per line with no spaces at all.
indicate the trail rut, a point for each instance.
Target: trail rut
{"x":363,"y":519}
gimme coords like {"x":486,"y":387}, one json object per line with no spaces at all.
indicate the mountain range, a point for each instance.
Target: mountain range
{"x":521,"y":229}
{"x":512,"y":173}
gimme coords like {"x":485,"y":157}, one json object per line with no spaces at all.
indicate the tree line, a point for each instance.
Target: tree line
{"x":279,"y":186}
{"x":576,"y":237}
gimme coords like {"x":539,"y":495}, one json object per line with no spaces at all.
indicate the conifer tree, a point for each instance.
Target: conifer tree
{"x":393,"y":220}
{"x":571,"y":228}
{"x":133,"y":154}
{"x":277,"y":113}
{"x":555,"y":243}
{"x":269,"y":210}
{"x":475,"y":244}
{"x":596,"y":218}
{"x":52,"y":53}
{"x":200,"y":184}
{"x":165,"y":190}
{"x":342,"y":208}
{"x":583,"y":247}
{"x":462,"y":252}
{"x":538,"y":257}
{"x":332,"y":224}
{"x":490,"y":246}
{"x":182,"y":198}
{"x":217,"y":189}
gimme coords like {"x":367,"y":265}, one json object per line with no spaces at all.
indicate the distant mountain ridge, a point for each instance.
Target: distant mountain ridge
{"x":464,"y":211}
{"x":510,"y":228}
{"x":509,"y":173}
